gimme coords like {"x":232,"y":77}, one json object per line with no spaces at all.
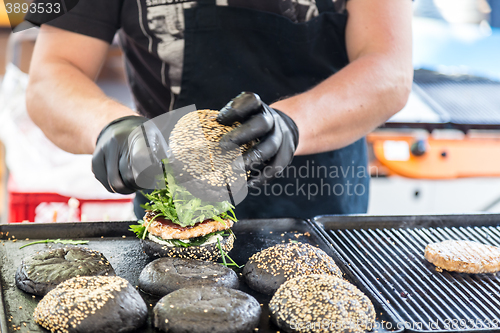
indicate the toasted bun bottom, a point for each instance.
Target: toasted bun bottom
{"x":208,"y":252}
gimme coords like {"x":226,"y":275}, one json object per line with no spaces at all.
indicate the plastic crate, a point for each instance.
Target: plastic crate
{"x":22,"y":205}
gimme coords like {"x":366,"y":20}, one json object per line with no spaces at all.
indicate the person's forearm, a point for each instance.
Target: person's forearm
{"x":349,"y":104}
{"x":69,"y":107}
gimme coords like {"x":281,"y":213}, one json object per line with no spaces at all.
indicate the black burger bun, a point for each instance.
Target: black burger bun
{"x":92,"y":304}
{"x":208,"y":252}
{"x":207,"y":310}
{"x":195,"y":143}
{"x":165,"y":275}
{"x":43,"y":271}
{"x":266,"y":270}
{"x":321,"y":303}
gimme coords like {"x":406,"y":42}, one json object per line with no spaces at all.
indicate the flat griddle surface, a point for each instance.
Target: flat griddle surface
{"x":123,"y":250}
{"x":385,"y":254}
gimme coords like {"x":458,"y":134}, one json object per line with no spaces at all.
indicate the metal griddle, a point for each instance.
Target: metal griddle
{"x":127,"y":258}
{"x":462,"y":102}
{"x":386,"y":255}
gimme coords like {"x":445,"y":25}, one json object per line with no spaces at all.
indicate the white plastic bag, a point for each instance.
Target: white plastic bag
{"x":34,"y":162}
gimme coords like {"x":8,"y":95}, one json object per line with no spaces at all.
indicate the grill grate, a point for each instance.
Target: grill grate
{"x":390,"y":262}
{"x":464,"y":99}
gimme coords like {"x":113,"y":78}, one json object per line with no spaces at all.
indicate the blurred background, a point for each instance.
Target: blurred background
{"x":439,"y":155}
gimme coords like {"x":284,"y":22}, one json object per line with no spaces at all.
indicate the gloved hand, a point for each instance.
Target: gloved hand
{"x":124,"y":161}
{"x":277,"y":133}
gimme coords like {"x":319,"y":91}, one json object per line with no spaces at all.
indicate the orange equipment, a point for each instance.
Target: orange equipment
{"x":434,"y":158}
{"x":4,"y":19}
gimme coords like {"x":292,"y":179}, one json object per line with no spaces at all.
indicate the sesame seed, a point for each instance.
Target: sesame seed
{"x":74,"y":300}
{"x":195,"y":141}
{"x":310,"y":299}
{"x":293,"y":259}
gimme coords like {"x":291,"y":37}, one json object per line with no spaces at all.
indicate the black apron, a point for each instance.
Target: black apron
{"x":229,"y":50}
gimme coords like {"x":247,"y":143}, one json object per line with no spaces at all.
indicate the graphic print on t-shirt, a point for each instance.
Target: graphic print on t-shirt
{"x":151,"y":34}
{"x":165,"y":22}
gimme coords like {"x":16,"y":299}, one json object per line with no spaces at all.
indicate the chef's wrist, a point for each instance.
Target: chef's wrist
{"x":292,"y":126}
{"x":113,"y":112}
{"x":290,"y":108}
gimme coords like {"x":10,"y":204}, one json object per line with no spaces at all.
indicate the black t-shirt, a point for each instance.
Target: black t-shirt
{"x":151,"y":35}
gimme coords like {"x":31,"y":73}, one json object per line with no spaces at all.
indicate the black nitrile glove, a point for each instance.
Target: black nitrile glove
{"x":124,"y":161}
{"x":277,"y":133}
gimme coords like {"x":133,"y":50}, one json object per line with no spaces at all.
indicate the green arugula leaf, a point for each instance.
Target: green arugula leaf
{"x":177,"y":204}
{"x":139,"y":229}
{"x":177,"y":243}
{"x":59,"y":241}
{"x":196,"y":241}
{"x":224,"y":255}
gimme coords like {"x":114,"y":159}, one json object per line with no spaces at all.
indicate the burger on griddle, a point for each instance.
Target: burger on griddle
{"x":189,"y":219}
{"x":204,"y":236}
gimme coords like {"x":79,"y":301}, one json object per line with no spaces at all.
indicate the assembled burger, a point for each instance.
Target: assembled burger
{"x":206,"y":237}
{"x":178,"y":223}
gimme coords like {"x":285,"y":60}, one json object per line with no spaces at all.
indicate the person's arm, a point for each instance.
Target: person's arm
{"x":62,"y":97}
{"x":369,"y":90}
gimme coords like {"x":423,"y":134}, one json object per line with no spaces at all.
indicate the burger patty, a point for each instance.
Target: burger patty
{"x":166,"y":229}
{"x":463,"y":256}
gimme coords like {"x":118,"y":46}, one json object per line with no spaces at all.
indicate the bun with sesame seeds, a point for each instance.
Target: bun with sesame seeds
{"x":202,"y":164}
{"x":43,"y":271}
{"x":165,"y":275}
{"x":104,"y":304}
{"x":156,"y":247}
{"x":192,"y":216}
{"x":207,"y":310}
{"x":321,"y":303}
{"x":266,"y":270}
